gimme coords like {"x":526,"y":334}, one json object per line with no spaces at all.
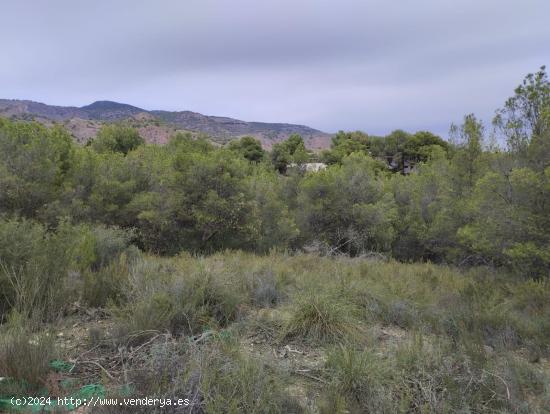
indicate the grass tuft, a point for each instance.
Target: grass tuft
{"x":321,"y":318}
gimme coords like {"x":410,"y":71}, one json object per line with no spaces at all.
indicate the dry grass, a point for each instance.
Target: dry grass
{"x":219,"y":328}
{"x":25,"y":357}
{"x":320,"y":318}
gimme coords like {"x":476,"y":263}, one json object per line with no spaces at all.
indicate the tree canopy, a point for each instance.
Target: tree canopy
{"x":465,"y":202}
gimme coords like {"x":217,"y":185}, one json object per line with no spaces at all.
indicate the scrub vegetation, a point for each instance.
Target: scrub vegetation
{"x":410,"y":275}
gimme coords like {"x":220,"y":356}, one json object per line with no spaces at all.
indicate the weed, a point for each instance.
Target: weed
{"x":233,"y":382}
{"x":321,"y":318}
{"x":25,"y":357}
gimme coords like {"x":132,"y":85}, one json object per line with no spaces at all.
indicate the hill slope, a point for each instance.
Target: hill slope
{"x":157,"y":126}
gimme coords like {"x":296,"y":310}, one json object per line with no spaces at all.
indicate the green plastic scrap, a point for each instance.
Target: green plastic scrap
{"x":60,"y":366}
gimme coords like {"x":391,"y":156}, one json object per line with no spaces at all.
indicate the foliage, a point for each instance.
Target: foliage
{"x":374,"y":336}
{"x":397,"y":149}
{"x":348,"y":206}
{"x":461,"y":202}
{"x":276,"y":225}
{"x":117,"y":138}
{"x":217,"y":315}
{"x":249,"y":147}
{"x":39,"y":269}
{"x":290,"y":151}
{"x":234,"y":382}
{"x":35,"y":265}
{"x":344,"y":144}
{"x":25,"y":358}
{"x":34,"y":162}
{"x":526,"y":114}
{"x":321,"y":318}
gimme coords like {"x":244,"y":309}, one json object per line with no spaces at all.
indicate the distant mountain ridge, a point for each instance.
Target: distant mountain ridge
{"x":156,"y":126}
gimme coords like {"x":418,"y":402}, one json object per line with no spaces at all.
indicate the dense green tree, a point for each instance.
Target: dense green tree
{"x":538,"y":152}
{"x":526,"y":114}
{"x":196,"y":199}
{"x":397,"y":149}
{"x":467,"y":158}
{"x":348,"y":206}
{"x":276,"y":227}
{"x":511,"y":221}
{"x":117,"y":138}
{"x":184,"y":141}
{"x":344,"y":144}
{"x":34,"y":161}
{"x":420,"y":146}
{"x":249,"y":147}
{"x":427,"y":222}
{"x":290,"y":151}
{"x":463,"y":203}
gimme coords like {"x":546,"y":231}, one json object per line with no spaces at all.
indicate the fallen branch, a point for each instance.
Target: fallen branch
{"x":135,"y":350}
{"x":305,"y":374}
{"x":97,"y":364}
{"x":294,"y":351}
{"x":339,"y":247}
{"x":504,"y":382}
{"x":141,"y":333}
{"x":202,"y":336}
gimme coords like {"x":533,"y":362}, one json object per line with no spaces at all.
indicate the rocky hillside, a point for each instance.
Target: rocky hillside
{"x":157,"y":126}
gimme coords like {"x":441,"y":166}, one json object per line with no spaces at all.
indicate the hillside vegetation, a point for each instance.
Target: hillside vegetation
{"x":156,"y":126}
{"x":410,"y":275}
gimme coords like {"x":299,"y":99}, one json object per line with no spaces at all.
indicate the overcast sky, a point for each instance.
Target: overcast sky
{"x":330,"y":64}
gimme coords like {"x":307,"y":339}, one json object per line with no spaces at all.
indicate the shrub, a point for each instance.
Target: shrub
{"x":233,"y":382}
{"x":163,"y":370}
{"x":36,"y":263}
{"x":146,"y":316}
{"x":34,"y":266}
{"x":109,"y":243}
{"x":430,"y":376}
{"x":34,"y":161}
{"x":266,"y":292}
{"x":361,"y":377}
{"x":210,"y":299}
{"x":107,"y":285}
{"x":24,"y":359}
{"x":321,"y":318}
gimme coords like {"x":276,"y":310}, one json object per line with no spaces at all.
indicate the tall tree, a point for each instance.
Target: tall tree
{"x":527,"y":113}
{"x":468,"y":138}
{"x":249,"y":147}
{"x":34,"y":162}
{"x":117,"y":138}
{"x":290,"y":151}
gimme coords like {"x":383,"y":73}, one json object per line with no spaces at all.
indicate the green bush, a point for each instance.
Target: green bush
{"x":42,"y":271}
{"x":109,"y":243}
{"x":34,"y":162}
{"x":109,"y":256}
{"x":117,"y":138}
{"x":34,"y":267}
{"x":147,"y":315}
{"x":107,"y":285}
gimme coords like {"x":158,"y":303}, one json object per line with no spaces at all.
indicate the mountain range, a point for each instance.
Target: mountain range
{"x":157,"y":126}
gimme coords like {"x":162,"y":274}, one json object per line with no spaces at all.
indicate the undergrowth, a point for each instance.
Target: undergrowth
{"x":389,"y":337}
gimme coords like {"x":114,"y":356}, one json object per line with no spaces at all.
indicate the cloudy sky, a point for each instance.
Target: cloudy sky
{"x":372,"y":65}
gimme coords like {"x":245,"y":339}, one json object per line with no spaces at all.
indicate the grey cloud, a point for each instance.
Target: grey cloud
{"x":331,"y":64}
